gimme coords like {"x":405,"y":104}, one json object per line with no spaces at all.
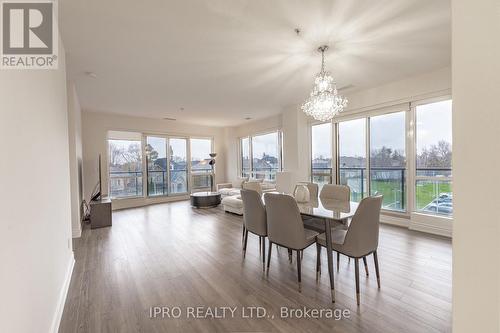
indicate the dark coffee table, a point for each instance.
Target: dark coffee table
{"x":205,"y":199}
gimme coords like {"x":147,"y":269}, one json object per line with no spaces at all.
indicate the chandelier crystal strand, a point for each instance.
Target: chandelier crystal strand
{"x":324,"y":102}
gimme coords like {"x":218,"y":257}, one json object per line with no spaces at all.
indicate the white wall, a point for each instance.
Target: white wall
{"x":35,"y":242}
{"x":476,"y":161}
{"x":431,"y":84}
{"x":75,"y":158}
{"x":95,"y":130}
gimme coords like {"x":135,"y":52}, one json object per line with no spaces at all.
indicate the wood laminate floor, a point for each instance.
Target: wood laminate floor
{"x":172,"y":255}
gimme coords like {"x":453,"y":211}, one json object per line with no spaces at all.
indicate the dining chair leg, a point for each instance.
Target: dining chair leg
{"x":356,"y":274}
{"x":245,"y":243}
{"x":338,"y":261}
{"x":299,"y":274}
{"x":375,"y":259}
{"x":318,"y":260}
{"x":264,"y":254}
{"x":290,"y":255}
{"x":366,"y":266}
{"x":269,"y":255}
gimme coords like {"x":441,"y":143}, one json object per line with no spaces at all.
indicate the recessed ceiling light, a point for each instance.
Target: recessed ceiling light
{"x":182,"y":108}
{"x":248,"y":118}
{"x":91,"y":74}
{"x":167,"y":118}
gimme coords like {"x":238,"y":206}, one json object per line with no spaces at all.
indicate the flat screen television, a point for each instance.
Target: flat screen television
{"x":96,"y":193}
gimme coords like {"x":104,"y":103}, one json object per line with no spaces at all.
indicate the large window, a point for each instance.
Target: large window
{"x":388,"y":159}
{"x":156,"y":157}
{"x":245,"y":157}
{"x":352,"y":157}
{"x":125,"y":168}
{"x":178,"y":165}
{"x":260,"y":156}
{"x":321,"y":152}
{"x":167,"y":169}
{"x":266,"y":155}
{"x":433,"y":158}
{"x":201,"y":170}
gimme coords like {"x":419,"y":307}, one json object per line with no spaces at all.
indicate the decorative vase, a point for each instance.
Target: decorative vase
{"x":302,"y":193}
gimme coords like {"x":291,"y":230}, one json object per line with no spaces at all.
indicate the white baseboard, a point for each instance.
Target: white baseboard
{"x":393,"y":220}
{"x":56,"y":321}
{"x":420,"y":222}
{"x":76,"y":232}
{"x":431,"y":229}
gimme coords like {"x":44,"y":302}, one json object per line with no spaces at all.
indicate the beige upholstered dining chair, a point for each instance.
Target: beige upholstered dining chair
{"x":336,"y":192}
{"x":285,"y":227}
{"x":361,"y":238}
{"x":254,"y":220}
{"x":340,"y":193}
{"x":312,"y":187}
{"x":254,"y":186}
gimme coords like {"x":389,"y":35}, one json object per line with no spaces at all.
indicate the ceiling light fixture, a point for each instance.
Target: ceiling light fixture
{"x":324,"y":102}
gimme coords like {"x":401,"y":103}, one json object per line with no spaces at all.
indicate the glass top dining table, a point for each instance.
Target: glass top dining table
{"x":335,"y":210}
{"x":328,"y":210}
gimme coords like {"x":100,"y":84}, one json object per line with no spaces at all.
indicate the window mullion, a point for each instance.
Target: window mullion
{"x":368,"y":157}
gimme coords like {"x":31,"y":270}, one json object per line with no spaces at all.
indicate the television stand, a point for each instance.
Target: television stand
{"x":100,"y":213}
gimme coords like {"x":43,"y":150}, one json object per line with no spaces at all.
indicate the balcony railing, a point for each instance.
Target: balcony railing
{"x":157,"y":182}
{"x":433,"y":186}
{"x":267,"y":173}
{"x":201,"y":179}
{"x":125,"y":184}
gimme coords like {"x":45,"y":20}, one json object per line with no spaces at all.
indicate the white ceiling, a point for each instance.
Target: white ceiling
{"x":224,"y":60}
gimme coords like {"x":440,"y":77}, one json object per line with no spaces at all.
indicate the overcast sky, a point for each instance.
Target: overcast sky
{"x":267,"y":143}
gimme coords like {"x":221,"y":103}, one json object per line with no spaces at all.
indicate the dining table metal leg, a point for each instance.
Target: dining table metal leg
{"x":330,"y":258}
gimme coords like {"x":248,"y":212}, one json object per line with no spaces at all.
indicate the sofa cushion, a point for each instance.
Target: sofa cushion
{"x":233,"y":201}
{"x":229,"y":191}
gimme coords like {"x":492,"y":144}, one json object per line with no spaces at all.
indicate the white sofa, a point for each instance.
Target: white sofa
{"x":230,"y":193}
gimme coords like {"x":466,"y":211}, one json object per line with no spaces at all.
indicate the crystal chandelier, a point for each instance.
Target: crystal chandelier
{"x":324,"y":102}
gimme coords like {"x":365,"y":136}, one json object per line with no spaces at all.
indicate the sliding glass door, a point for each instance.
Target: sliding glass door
{"x":156,"y":158}
{"x":388,"y":159}
{"x":201,"y":170}
{"x":178,"y":171}
{"x":433,"y":176}
{"x":321,"y":153}
{"x":168,"y":168}
{"x":125,"y":168}
{"x":352,"y":157}
{"x":265,"y":155}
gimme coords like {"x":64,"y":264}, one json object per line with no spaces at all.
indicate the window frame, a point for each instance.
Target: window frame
{"x":414,"y":177}
{"x":108,"y":170}
{"x":190,"y":172}
{"x":250,"y":137}
{"x":333,"y":173}
{"x":167,"y":137}
{"x":410,"y":154}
